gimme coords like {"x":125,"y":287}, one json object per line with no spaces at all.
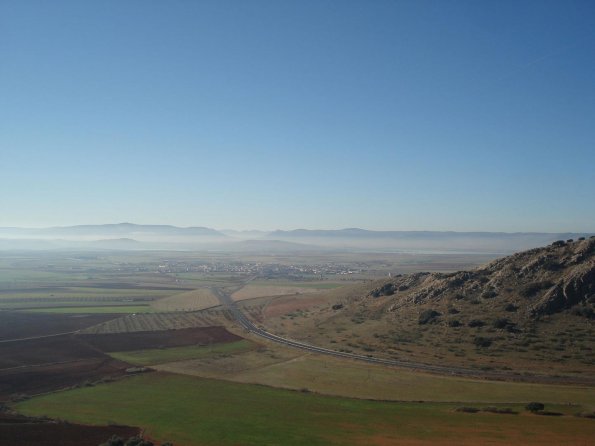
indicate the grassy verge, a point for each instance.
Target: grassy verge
{"x":192,"y":411}
{"x":160,"y":356}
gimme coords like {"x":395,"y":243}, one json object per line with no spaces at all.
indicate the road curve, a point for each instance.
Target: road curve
{"x":247,"y":324}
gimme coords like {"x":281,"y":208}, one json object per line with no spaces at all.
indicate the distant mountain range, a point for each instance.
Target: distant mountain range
{"x":112,"y":230}
{"x":497,"y":242}
{"x":135,"y":236}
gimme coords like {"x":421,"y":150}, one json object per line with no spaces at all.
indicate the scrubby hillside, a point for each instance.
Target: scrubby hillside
{"x":532,"y":311}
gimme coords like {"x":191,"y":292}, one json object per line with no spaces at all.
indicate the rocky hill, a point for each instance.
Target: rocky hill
{"x":531,"y":311}
{"x":538,"y":282}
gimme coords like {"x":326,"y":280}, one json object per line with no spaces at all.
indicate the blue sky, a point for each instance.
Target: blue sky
{"x":435,"y":115}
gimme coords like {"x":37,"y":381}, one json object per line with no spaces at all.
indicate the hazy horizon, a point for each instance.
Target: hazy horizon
{"x":287,"y":229}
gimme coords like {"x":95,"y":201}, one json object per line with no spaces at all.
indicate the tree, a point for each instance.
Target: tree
{"x":534,"y":406}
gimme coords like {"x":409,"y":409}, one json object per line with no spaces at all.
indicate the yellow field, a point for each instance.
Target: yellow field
{"x":188,"y":301}
{"x":254,"y":291}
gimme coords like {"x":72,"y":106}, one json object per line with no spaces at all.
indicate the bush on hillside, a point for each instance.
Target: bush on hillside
{"x":476,"y":323}
{"x":480,"y":341}
{"x":428,"y":316}
{"x":534,"y":406}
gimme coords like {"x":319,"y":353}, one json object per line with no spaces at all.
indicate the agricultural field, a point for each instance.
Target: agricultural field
{"x":163,"y":339}
{"x":104,"y":309}
{"x":94,"y":326}
{"x":154,"y":356}
{"x":57,"y":282}
{"x":43,"y":432}
{"x":158,"y":321}
{"x":276,"y":366}
{"x":19,"y":325}
{"x":194,"y":300}
{"x":191,"y":411}
{"x":41,"y":353}
{"x":254,"y":291}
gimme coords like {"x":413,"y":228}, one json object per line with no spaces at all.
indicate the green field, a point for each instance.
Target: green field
{"x":193,"y":411}
{"x":110,"y":309}
{"x":161,"y":355}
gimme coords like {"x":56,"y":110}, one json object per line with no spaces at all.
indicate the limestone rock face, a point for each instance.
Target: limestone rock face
{"x":537,"y":282}
{"x":577,"y":286}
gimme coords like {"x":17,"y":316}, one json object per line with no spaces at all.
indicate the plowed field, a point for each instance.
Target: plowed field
{"x":18,"y":325}
{"x":120,"y":342}
{"x":24,"y":431}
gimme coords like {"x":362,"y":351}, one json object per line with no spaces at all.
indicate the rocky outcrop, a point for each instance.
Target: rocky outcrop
{"x":575,"y":287}
{"x":537,"y":282}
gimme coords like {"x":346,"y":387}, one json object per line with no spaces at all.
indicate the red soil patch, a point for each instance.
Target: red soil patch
{"x":34,"y":380}
{"x":140,"y":340}
{"x":285,"y":305}
{"x":18,"y":325}
{"x":22,"y":431}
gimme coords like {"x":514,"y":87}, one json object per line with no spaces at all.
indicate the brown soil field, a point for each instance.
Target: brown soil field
{"x":120,"y":342}
{"x":50,"y":363}
{"x":53,"y":349}
{"x":18,"y":430}
{"x":34,"y":380}
{"x":18,"y":325}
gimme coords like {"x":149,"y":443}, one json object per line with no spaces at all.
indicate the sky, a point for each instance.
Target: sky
{"x":395,"y":115}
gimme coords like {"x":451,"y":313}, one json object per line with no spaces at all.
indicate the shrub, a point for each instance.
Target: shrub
{"x":559,"y":243}
{"x":467,"y":409}
{"x":501,"y":322}
{"x":454,"y":323}
{"x":531,"y":289}
{"x":511,"y":308}
{"x":453,"y":310}
{"x":584,"y":312}
{"x":480,"y":341}
{"x":534,"y":406}
{"x":388,"y":289}
{"x":476,"y":323}
{"x":489,"y":294}
{"x":428,"y":316}
{"x":505,"y":410}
